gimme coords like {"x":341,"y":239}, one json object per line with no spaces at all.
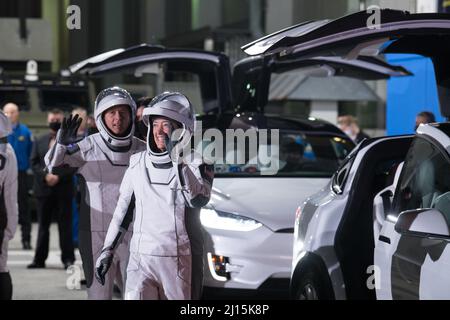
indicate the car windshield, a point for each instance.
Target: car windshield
{"x":299,"y":154}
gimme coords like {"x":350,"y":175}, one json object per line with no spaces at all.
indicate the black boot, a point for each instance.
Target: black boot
{"x":26,"y":245}
{"x":5,"y":286}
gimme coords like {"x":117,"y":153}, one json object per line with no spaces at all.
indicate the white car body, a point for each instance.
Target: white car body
{"x":249,"y":221}
{"x":263,"y":253}
{"x":319,"y":219}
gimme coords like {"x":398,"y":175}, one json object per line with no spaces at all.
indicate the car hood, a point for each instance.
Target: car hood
{"x":271,"y":201}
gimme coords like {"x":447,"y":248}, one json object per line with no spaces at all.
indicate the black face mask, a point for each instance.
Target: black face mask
{"x":141,"y":130}
{"x":54,"y":126}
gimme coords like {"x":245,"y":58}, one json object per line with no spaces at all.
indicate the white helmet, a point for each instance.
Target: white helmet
{"x":109,"y":98}
{"x":5,"y":125}
{"x":177,"y":107}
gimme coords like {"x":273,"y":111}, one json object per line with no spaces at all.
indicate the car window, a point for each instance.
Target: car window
{"x":340,"y":177}
{"x":300,"y":154}
{"x":425,"y":180}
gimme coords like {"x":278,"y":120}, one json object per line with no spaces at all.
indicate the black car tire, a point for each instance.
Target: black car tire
{"x":312,"y":287}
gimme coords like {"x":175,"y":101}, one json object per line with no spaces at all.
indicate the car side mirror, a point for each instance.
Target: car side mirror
{"x":423,"y":223}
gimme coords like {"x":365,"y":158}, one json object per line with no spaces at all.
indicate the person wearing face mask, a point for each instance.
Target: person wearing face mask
{"x":349,"y":125}
{"x":168,"y":190}
{"x":100,"y":161}
{"x":53,"y":193}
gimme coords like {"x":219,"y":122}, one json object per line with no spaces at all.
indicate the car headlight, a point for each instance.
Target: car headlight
{"x":211,"y":218}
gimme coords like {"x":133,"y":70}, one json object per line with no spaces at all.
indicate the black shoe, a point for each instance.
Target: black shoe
{"x":67,"y":264}
{"x":26,"y":245}
{"x":35,"y":265}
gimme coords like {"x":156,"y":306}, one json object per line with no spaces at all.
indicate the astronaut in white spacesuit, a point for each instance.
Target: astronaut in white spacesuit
{"x":8,"y":204}
{"x":167,"y":189}
{"x":101,"y":160}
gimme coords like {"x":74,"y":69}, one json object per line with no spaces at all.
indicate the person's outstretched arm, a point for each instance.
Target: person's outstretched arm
{"x":122,"y":217}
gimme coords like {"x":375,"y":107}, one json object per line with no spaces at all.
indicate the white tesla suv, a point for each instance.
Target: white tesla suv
{"x":249,"y":221}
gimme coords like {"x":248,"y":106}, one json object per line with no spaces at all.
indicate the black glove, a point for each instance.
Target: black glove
{"x":68,"y":132}
{"x":174,"y":150}
{"x":169,"y":144}
{"x":102,"y":265}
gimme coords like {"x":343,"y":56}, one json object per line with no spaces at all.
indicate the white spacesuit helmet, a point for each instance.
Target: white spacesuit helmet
{"x":177,"y":107}
{"x":109,"y":98}
{"x":5,"y":130}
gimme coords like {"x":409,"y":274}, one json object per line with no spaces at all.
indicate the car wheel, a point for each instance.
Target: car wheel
{"x":311,"y":288}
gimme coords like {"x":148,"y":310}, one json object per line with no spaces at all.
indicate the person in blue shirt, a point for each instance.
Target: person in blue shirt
{"x":21,"y":141}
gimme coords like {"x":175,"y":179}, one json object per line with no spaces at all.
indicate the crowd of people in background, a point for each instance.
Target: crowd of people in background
{"x":349,"y":125}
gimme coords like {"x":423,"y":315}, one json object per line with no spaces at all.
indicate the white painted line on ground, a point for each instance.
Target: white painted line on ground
{"x":49,"y":265}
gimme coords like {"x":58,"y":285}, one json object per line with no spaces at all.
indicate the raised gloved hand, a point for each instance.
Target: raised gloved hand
{"x":102,"y":265}
{"x":68,"y":132}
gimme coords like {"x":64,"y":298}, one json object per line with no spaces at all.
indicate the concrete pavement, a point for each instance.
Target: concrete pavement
{"x":51,"y":283}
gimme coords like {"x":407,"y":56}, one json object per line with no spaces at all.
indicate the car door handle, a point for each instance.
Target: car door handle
{"x":384,"y":239}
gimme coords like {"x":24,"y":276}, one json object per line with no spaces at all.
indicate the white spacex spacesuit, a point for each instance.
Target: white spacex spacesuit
{"x":101,"y":160}
{"x":8,"y":203}
{"x":167,"y":190}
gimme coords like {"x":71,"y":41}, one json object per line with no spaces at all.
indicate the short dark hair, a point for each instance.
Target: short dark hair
{"x":56,"y":111}
{"x":427,"y":115}
{"x":143,"y":101}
